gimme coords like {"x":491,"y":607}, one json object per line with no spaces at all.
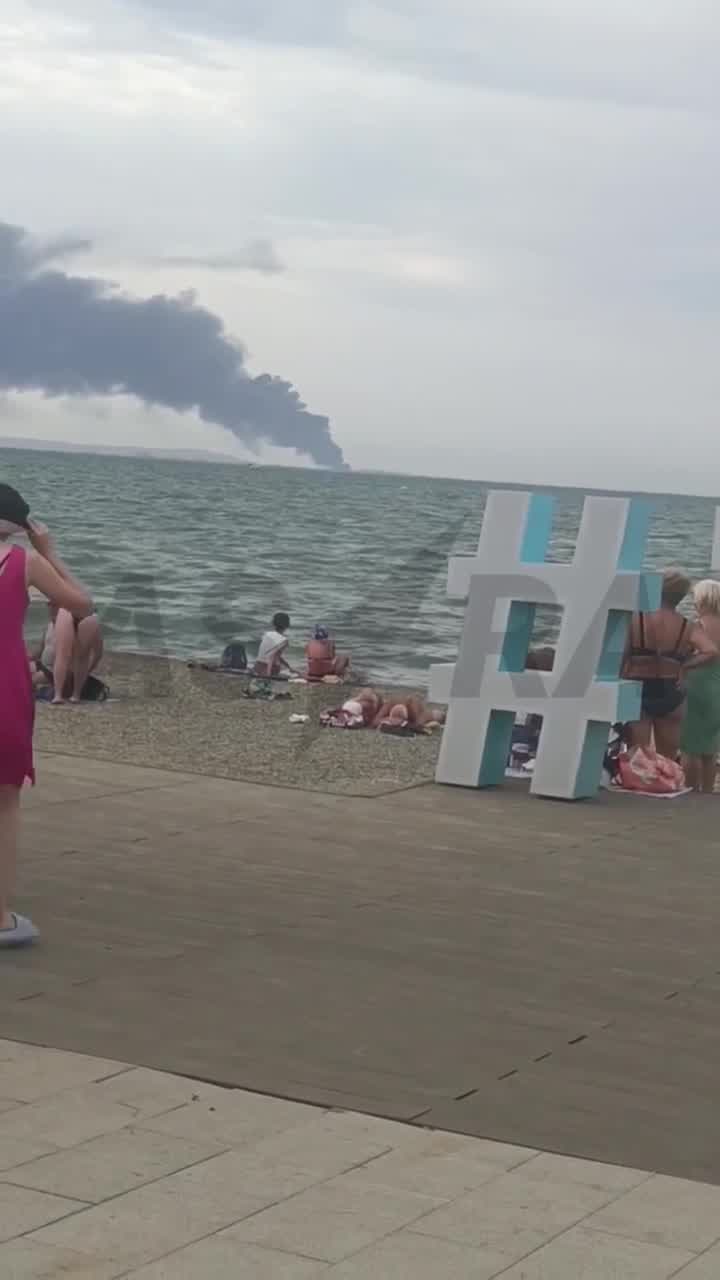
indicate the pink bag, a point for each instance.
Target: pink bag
{"x":644,"y":770}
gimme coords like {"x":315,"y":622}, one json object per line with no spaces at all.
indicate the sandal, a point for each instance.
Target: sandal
{"x":21,"y":935}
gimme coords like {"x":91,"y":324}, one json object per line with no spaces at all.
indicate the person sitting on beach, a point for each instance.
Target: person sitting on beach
{"x":322,"y":659}
{"x":661,"y":647}
{"x":540,"y":659}
{"x":70,"y":651}
{"x":271,"y":663}
{"x":527,"y":727}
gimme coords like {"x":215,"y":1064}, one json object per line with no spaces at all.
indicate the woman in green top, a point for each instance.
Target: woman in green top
{"x":701,"y":729}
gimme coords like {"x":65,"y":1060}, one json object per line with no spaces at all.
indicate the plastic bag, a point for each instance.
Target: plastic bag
{"x":645,"y":770}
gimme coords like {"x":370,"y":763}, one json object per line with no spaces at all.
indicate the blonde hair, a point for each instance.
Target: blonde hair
{"x":706,"y":596}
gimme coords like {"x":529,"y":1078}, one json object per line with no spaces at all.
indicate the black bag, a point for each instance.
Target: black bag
{"x":615,"y":748}
{"x":234,"y":657}
{"x":94,"y":689}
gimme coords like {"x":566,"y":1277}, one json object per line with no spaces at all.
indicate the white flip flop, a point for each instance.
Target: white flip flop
{"x":23,"y":933}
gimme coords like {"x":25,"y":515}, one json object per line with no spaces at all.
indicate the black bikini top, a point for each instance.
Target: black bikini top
{"x":667,"y":655}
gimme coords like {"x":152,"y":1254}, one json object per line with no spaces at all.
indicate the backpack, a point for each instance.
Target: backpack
{"x":234,"y":657}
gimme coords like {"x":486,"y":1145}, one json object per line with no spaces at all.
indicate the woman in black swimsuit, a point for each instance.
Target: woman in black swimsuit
{"x":71,"y":650}
{"x":662,"y":646}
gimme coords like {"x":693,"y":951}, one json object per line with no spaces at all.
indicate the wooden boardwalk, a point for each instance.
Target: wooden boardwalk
{"x":528,"y":971}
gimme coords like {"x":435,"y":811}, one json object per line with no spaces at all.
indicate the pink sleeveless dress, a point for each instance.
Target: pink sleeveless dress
{"x":17,"y":702}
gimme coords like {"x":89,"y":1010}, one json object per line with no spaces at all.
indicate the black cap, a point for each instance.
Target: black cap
{"x":12,"y":507}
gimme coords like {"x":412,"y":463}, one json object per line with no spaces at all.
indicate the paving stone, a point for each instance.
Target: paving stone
{"x":592,"y":1255}
{"x":235,"y":1116}
{"x":150,"y":1093}
{"x":22,"y":1210}
{"x":65,"y":1121}
{"x":407,"y":1256}
{"x":24,"y":1260}
{"x":705,"y":1268}
{"x":322,"y":1147}
{"x":111,"y":1164}
{"x":667,"y":1211}
{"x":335,"y":1219}
{"x":145,"y":1224}
{"x":224,"y":1258}
{"x":30,"y":1073}
{"x":445,"y":1176}
{"x":18,"y":1151}
{"x":606,"y":1177}
{"x":513,"y":1214}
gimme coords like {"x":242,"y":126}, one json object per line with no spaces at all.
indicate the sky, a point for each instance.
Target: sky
{"x":480,"y":237}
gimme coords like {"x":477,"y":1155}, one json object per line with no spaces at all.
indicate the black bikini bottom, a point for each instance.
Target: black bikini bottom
{"x":660,"y":698}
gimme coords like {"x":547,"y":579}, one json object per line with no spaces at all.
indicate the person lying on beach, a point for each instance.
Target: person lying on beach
{"x":271,"y":663}
{"x":369,"y":709}
{"x":358,"y":712}
{"x":410,"y":716}
{"x":322,"y":658}
{"x":70,"y":651}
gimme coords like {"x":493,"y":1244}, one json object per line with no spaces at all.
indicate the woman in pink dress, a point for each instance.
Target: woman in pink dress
{"x":40,"y":568}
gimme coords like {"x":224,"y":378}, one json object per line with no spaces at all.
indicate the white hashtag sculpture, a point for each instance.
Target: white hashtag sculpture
{"x":582,"y":697}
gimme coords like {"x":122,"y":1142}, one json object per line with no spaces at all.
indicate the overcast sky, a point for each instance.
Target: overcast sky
{"x":480,"y":235}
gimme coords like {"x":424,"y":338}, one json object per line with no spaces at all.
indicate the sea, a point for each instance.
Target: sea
{"x":184,"y":557}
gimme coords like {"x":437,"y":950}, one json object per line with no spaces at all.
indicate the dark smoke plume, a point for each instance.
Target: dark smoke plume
{"x":63,"y":334}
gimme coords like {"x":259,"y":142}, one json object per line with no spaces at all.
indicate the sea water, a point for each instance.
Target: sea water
{"x":183,"y":557}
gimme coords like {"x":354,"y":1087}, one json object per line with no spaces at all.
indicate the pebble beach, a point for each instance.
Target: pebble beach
{"x":162,"y":714}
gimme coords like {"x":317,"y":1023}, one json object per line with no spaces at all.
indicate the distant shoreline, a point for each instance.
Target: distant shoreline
{"x":15,"y":445}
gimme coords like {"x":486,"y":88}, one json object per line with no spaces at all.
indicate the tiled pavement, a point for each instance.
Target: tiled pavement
{"x":107,"y":1170}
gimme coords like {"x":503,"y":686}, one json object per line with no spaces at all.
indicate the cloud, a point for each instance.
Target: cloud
{"x":500,"y":215}
{"x":256,"y":255}
{"x":75,"y":335}
{"x":651,"y":52}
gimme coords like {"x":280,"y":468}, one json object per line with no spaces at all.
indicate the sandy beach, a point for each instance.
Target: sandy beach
{"x":164,"y":715}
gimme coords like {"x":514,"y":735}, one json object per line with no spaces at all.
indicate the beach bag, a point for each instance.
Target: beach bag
{"x":234,"y":657}
{"x":93,"y":690}
{"x":645,"y":771}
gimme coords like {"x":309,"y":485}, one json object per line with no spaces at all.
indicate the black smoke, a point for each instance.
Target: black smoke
{"x":64,"y":334}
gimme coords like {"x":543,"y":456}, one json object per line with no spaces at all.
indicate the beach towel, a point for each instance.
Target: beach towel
{"x":645,"y":771}
{"x":342,"y":718}
{"x":400,"y":728}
